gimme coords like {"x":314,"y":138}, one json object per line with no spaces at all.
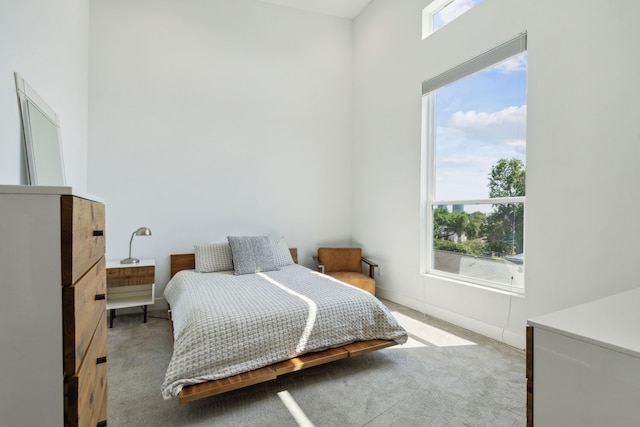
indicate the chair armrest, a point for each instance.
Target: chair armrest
{"x":319,"y":265}
{"x":371,"y":264}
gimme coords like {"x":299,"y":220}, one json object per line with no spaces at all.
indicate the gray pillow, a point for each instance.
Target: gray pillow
{"x":252,"y":254}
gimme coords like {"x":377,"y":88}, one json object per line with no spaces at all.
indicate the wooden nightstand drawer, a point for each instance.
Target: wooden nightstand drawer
{"x":129,"y":276}
{"x":84,"y":304}
{"x":83,"y":236}
{"x":88,"y":387}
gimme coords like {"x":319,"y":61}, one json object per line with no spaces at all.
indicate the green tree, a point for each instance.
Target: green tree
{"x":504,"y":227}
{"x":474,"y":225}
{"x":440,"y":223}
{"x":499,"y":233}
{"x":457,"y":223}
{"x":507,"y":179}
{"x":449,"y":246}
{"x":446,"y":224}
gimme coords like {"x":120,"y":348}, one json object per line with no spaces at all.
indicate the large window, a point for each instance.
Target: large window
{"x":475,"y":168}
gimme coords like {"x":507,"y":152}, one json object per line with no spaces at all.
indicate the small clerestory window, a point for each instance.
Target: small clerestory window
{"x":440,"y":12}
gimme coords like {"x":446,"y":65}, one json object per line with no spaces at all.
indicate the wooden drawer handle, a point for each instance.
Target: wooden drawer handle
{"x":98,"y":233}
{"x":100,"y":360}
{"x":101,"y":297}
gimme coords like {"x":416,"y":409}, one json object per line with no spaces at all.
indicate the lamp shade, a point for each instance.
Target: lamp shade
{"x":142,"y":231}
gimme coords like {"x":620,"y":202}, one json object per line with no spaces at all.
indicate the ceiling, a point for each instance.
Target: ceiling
{"x":348,"y":9}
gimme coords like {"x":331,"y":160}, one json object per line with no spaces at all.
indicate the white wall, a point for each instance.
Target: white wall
{"x":46,"y":42}
{"x":583,"y":146}
{"x":210,"y":118}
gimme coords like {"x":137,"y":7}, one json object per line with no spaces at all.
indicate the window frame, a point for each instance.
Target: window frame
{"x":429,"y":12}
{"x":485,"y":60}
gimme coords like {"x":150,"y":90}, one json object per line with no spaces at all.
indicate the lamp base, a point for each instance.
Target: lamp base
{"x":129,"y":261}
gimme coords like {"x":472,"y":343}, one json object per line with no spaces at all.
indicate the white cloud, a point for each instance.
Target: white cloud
{"x":472,"y":141}
{"x":513,"y":64}
{"x":467,"y":162}
{"x":463,"y":177}
{"x":470,"y":119}
{"x":507,"y":126}
{"x":519,"y":145}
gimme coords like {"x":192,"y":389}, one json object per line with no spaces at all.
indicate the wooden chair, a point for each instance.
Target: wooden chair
{"x":345,"y":264}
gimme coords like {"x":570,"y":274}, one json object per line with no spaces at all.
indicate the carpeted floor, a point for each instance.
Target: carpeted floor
{"x":444,"y":376}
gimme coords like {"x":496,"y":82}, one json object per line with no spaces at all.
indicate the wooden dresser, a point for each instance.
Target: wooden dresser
{"x":53,"y":357}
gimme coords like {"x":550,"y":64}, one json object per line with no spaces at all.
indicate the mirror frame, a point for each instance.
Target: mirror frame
{"x":34,"y":149}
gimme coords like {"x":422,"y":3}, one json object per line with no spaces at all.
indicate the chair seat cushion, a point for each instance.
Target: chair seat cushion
{"x":358,"y":280}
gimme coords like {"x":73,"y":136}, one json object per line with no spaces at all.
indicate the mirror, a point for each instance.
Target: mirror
{"x":41,"y":132}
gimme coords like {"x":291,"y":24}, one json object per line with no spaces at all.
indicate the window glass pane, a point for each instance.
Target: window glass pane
{"x":483,"y":242}
{"x":478,"y":178}
{"x":451,"y":12}
{"x":480,"y":120}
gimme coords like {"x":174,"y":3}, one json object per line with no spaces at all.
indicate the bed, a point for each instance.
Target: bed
{"x":233,"y":330}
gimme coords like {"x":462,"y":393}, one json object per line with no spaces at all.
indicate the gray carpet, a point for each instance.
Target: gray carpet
{"x":444,"y":376}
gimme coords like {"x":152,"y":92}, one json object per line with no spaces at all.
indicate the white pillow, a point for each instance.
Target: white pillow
{"x":281,"y":252}
{"x":214,"y":256}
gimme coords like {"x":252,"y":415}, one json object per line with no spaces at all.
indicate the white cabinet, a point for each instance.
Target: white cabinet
{"x":586,"y":364}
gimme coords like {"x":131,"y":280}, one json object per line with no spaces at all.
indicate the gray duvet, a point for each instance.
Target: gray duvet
{"x":226,"y":324}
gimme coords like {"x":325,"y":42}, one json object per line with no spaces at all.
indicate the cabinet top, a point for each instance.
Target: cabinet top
{"x":611,"y":322}
{"x":47,"y":190}
{"x":114,"y":263}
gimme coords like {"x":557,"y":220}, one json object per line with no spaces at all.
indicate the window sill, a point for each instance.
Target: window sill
{"x":515,"y":292}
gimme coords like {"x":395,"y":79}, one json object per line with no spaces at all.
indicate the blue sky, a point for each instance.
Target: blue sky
{"x":479,"y":120}
{"x":452,"y":11}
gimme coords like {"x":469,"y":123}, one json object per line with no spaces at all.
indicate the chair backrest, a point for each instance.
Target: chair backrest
{"x":341,"y":259}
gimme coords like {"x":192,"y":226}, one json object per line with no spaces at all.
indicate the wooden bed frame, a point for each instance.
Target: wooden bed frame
{"x":211,"y":388}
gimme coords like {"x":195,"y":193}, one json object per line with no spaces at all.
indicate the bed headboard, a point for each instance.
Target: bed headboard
{"x":181,"y":262}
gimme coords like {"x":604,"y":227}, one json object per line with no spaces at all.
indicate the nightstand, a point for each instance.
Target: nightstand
{"x":130,"y":285}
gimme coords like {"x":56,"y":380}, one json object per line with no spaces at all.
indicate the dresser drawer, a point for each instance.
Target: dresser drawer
{"x":83,"y":237}
{"x":87,"y":389}
{"x":84,"y":304}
